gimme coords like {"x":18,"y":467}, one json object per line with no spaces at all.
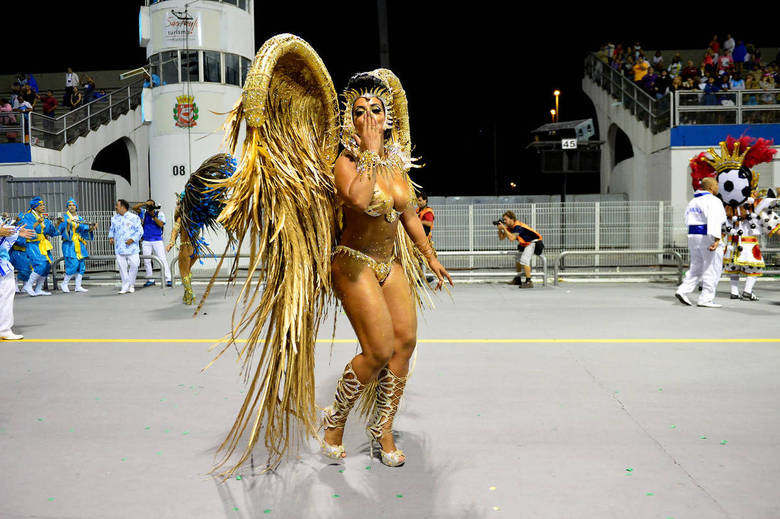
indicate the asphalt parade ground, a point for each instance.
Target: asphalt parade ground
{"x":585,"y":400}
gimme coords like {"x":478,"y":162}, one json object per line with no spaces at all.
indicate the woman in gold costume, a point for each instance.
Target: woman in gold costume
{"x":320,"y":223}
{"x":376,"y":194}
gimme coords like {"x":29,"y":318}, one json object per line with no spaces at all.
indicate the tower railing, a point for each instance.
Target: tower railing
{"x":55,"y":133}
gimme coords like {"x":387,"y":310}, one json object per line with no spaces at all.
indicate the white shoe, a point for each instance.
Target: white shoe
{"x":710,"y":304}
{"x":11,"y":336}
{"x":79,"y":288}
{"x":28,"y":287}
{"x":131,"y":289}
{"x":64,"y":287}
{"x":123,"y":291}
{"x":683,"y":298}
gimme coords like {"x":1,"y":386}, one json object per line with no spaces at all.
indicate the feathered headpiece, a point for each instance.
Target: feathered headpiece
{"x":67,"y":202}
{"x":35,"y":202}
{"x":734,"y":154}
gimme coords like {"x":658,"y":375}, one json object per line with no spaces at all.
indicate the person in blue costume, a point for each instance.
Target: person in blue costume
{"x":19,"y":258}
{"x":39,"y":247}
{"x":75,"y":233}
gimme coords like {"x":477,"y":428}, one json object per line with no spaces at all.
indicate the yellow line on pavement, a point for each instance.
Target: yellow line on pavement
{"x":442,"y":341}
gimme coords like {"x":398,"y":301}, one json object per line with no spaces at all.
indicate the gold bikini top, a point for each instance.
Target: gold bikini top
{"x":382,"y":204}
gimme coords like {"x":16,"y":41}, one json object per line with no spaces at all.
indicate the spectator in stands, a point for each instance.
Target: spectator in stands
{"x":753,"y":59}
{"x":736,"y":82}
{"x":49,"y":104}
{"x":724,"y":82}
{"x":662,"y":85}
{"x":7,"y":117}
{"x":725,"y":62}
{"x":32,"y":82}
{"x":714,"y":46}
{"x":689,"y":71}
{"x":767,"y":83}
{"x":708,"y":63}
{"x":29,"y":96}
{"x":658,"y":60}
{"x":728,"y":44}
{"x":675,"y":67}
{"x":648,"y":82}
{"x":640,"y":68}
{"x":75,"y":99}
{"x":100,"y":93}
{"x":16,"y":91}
{"x":689,"y":83}
{"x":151,"y":82}
{"x":677,"y":84}
{"x":711,"y":88}
{"x":71,"y":82}
{"x":89,"y":90}
{"x":738,"y":55}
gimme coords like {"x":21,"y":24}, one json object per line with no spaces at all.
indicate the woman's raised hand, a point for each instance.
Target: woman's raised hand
{"x":371,"y":135}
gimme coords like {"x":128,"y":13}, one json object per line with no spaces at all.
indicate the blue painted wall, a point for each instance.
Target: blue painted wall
{"x":711,"y":135}
{"x":15,"y":152}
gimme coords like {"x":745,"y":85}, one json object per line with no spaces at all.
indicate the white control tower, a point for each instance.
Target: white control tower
{"x":199,"y":52}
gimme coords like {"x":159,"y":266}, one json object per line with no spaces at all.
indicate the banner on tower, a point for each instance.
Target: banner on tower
{"x":182,"y":26}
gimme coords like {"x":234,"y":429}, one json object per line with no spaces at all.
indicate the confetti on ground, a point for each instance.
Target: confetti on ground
{"x":238,"y":478}
{"x":123,"y":459}
{"x":368,"y":467}
{"x":336,"y":495}
{"x":267,"y":511}
{"x":159,"y":453}
{"x":185,"y":433}
{"x":724,"y":442}
{"x":672,"y":426}
{"x":629,"y":469}
{"x":71,"y":429}
{"x":702,"y":437}
{"x":399,"y":495}
{"x":649,"y":494}
{"x":340,"y":471}
{"x":497,"y":508}
{"x":235,"y":508}
{"x":51,"y":499}
{"x":492,"y":488}
{"x":167,"y":430}
{"x":162,"y":400}
{"x":40,"y":419}
{"x":147,"y":428}
{"x":479,"y":414}
{"x":660,"y":389}
{"x":96,"y":399}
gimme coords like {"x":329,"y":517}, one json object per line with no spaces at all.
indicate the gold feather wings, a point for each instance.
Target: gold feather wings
{"x":282,"y":198}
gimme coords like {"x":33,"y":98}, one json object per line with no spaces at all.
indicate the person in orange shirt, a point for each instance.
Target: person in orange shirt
{"x":425,"y":214}
{"x":513,"y":229}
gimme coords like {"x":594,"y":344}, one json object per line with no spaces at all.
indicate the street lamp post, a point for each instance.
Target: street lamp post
{"x":552,"y":113}
{"x":557,"y":111}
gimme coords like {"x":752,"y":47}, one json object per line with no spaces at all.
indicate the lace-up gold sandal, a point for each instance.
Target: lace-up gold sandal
{"x":389,"y":390}
{"x":334,"y":416}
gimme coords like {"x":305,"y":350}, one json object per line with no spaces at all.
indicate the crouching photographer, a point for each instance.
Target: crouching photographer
{"x":529,"y":242}
{"x":153,"y":221}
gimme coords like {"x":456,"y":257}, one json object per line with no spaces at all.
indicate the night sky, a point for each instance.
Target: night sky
{"x":467,"y":72}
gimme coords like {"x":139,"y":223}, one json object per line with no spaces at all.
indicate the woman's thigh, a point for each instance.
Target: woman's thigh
{"x":356,"y":286}
{"x":400,"y":303}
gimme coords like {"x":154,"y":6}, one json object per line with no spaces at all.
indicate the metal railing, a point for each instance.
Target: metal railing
{"x":104,"y":258}
{"x":729,"y":107}
{"x":598,"y":271}
{"x":654,"y":113}
{"x":497,"y":273}
{"x":55,"y":133}
{"x":13,"y":127}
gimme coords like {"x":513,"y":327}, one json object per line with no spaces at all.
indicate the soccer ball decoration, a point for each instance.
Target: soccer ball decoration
{"x":734,"y":186}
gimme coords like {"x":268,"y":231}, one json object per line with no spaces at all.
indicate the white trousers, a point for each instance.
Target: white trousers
{"x":128,"y":268}
{"x":7,"y":289}
{"x":159,"y":250}
{"x":706,"y":267}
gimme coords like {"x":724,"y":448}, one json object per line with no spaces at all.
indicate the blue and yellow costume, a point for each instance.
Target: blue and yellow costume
{"x":75,"y":233}
{"x":19,"y":258}
{"x":38,"y":248}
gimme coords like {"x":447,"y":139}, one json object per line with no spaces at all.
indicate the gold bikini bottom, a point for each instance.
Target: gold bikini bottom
{"x":381,"y":268}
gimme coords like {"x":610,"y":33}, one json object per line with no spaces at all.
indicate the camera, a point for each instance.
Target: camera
{"x":152,"y":207}
{"x":500,"y":221}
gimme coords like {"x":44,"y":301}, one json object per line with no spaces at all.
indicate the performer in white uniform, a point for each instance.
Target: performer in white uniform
{"x":704,"y":217}
{"x":8,"y":235}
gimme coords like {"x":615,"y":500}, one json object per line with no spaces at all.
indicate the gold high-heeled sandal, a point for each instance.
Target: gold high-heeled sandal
{"x":389,"y":390}
{"x":334,"y":416}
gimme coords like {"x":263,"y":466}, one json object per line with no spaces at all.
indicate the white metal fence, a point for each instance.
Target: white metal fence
{"x":566,"y":226}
